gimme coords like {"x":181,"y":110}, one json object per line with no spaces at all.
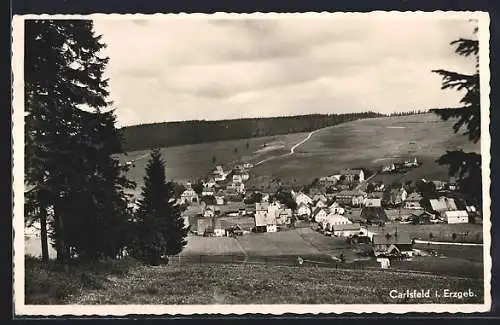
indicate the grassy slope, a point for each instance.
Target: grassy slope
{"x":365,"y":143}
{"x":372,"y":143}
{"x":261,"y":284}
{"x":440,"y":232}
{"x":193,"y":161}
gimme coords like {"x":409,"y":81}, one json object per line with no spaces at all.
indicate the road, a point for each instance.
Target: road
{"x":445,"y":243}
{"x":292,"y":149}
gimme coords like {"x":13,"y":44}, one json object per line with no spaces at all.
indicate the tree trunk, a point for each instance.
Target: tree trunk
{"x":43,"y":235}
{"x":62,"y":251}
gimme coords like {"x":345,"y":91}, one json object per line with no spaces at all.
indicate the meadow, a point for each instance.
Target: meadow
{"x":369,"y":143}
{"x":440,"y":232}
{"x":372,"y":143}
{"x":190,"y":162}
{"x":266,"y":284}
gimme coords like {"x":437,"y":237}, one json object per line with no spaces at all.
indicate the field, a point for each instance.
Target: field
{"x":440,"y":232}
{"x":283,"y":248}
{"x":372,"y":143}
{"x":265,"y":284}
{"x":189,"y":162}
{"x":368,"y":143}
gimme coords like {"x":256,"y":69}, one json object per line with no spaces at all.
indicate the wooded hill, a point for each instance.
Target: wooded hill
{"x":168,"y":134}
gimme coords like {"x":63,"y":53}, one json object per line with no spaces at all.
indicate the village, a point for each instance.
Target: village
{"x":346,"y":204}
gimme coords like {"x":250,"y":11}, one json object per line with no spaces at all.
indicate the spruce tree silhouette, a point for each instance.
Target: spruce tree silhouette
{"x":465,"y":165}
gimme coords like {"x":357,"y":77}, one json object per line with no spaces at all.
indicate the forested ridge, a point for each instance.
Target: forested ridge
{"x":168,"y":134}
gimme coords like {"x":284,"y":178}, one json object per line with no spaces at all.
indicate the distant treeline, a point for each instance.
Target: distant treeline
{"x":168,"y":134}
{"x":414,"y":112}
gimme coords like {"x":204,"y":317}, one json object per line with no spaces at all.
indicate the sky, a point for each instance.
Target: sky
{"x":185,"y":69}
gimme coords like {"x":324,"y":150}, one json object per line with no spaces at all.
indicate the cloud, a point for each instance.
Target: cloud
{"x":177,"y":69}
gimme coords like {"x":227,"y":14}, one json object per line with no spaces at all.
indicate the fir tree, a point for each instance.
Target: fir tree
{"x":159,"y":226}
{"x":465,"y":165}
{"x":69,"y":154}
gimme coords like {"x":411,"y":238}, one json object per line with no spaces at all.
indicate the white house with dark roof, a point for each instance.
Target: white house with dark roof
{"x":302,"y":198}
{"x":189,"y":195}
{"x":303,"y":210}
{"x":352,"y":175}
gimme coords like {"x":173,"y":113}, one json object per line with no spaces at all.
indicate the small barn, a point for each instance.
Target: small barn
{"x":459,"y":216}
{"x":392,"y":244}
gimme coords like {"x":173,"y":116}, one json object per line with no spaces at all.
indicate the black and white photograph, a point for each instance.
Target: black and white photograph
{"x":251,"y":163}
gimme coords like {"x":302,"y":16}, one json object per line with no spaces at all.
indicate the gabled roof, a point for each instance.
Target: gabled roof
{"x":443,"y":204}
{"x":261,"y":206}
{"x":348,"y":226}
{"x":458,"y":213}
{"x":318,"y":210}
{"x":415,"y":197}
{"x":351,"y":193}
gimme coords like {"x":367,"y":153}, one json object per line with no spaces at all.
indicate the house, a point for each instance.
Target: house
{"x":207,"y":191}
{"x":219,"y":177}
{"x":209,"y":211}
{"x":397,"y":196}
{"x":219,"y":197}
{"x":247,"y":165}
{"x":237,"y":179}
{"x":392,"y":244}
{"x":373,"y":214}
{"x":302,"y":198}
{"x":334,"y":220}
{"x":219,"y":170}
{"x":284,"y":217}
{"x":237,"y":187}
{"x":264,"y":221}
{"x":442,"y":204}
{"x":205,"y":226}
{"x":265,"y":197}
{"x":189,"y":195}
{"x":346,"y":230}
{"x":354,"y":198}
{"x":372,"y":202}
{"x":389,"y":168}
{"x":221,"y":227}
{"x":319,"y":215}
{"x":421,"y":218}
{"x":303,"y":210}
{"x":320,"y":198}
{"x":335,"y":208}
{"x":351,"y":175}
{"x":321,"y":204}
{"x":413,"y":201}
{"x":337,"y":219}
{"x":458,"y":216}
{"x":209,"y":182}
{"x":439,"y":185}
{"x":327,"y":181}
{"x":245,"y":176}
{"x":411,"y":163}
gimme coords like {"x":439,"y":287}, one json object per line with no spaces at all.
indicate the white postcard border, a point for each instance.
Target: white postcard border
{"x":20,"y":308}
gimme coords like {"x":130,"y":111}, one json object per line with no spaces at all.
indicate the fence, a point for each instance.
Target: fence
{"x":285,"y":260}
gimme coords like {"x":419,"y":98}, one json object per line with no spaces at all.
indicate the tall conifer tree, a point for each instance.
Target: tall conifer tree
{"x":465,"y":165}
{"x":72,"y":136}
{"x":159,"y":226}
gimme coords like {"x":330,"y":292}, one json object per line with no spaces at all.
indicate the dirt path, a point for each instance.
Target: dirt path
{"x":292,"y":149}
